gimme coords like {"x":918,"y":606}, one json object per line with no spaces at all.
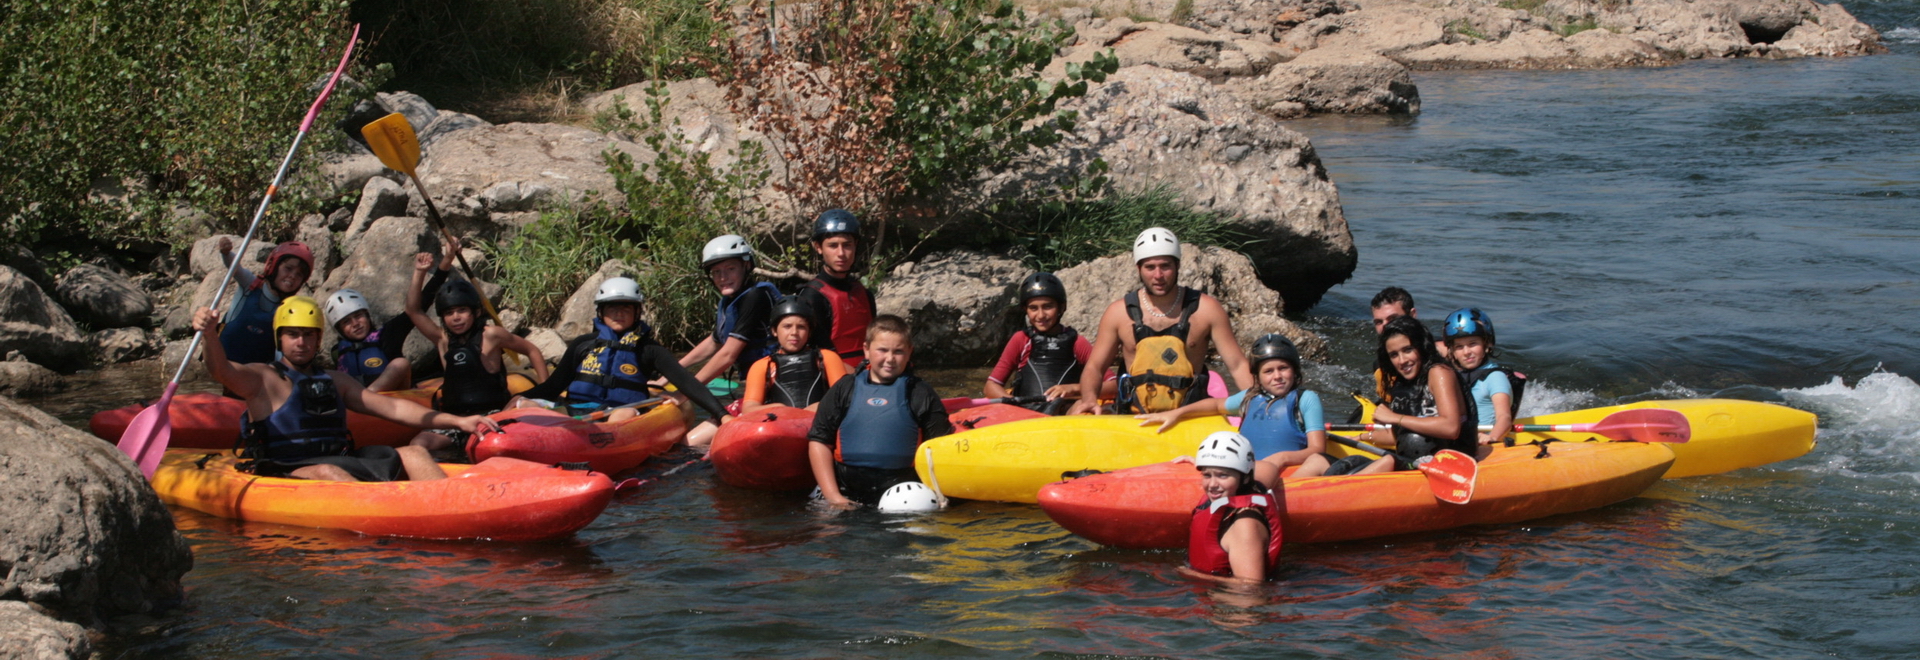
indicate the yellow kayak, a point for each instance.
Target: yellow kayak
{"x":1728,"y":434}
{"x":1010,"y":462}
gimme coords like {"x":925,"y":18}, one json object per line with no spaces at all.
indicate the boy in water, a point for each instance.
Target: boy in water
{"x":1234,"y":536}
{"x":247,"y":335}
{"x":296,"y":419}
{"x":797,"y":374}
{"x":1047,"y":356}
{"x":1495,"y":395}
{"x":476,"y":375}
{"x":869,"y":425}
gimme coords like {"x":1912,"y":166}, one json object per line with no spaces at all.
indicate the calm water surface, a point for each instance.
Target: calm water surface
{"x":1743,"y":229}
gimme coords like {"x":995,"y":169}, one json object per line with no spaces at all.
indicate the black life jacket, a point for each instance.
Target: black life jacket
{"x":1050,"y":362}
{"x":796,"y":379}
{"x":1516,"y":381}
{"x":1415,"y":399}
{"x":468,"y":388}
{"x":311,"y":422}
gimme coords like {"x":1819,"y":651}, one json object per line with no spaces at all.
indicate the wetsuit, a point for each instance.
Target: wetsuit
{"x":469,"y":388}
{"x":310,"y":428}
{"x":794,"y":379}
{"x":585,"y":374}
{"x":875,"y":428}
{"x":1042,"y":360}
{"x":842,"y":308}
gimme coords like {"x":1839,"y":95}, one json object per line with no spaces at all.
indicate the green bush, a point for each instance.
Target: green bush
{"x":201,"y":96}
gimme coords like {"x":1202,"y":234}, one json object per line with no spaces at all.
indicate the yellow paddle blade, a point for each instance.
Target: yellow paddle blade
{"x":392,"y":139}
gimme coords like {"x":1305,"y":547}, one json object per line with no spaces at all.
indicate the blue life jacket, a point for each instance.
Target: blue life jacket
{"x":727,"y":317}
{"x":363,"y":360}
{"x":610,"y":373}
{"x":879,"y":430}
{"x":311,"y":422}
{"x":1272,"y":424}
{"x":248,"y":337}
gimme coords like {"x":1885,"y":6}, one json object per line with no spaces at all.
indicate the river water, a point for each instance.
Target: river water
{"x":1743,"y":229}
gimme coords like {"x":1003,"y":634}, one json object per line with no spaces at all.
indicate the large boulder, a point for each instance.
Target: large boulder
{"x":379,"y":198}
{"x":962,"y":305}
{"x":1383,"y":28}
{"x":1228,"y":276}
{"x":1337,"y":80}
{"x":118,"y":345}
{"x":87,"y":537}
{"x":511,"y":169}
{"x":345,"y":173}
{"x":21,"y":378}
{"x":29,"y":634}
{"x":1155,"y":127}
{"x":205,"y":258}
{"x":1171,"y":47}
{"x":577,"y":313}
{"x":103,"y":298}
{"x":380,"y":264}
{"x":314,"y":233}
{"x":32,"y":324}
{"x":1268,"y":19}
{"x":697,"y":110}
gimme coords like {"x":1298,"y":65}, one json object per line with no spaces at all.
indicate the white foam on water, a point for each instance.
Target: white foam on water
{"x":1544,"y":399}
{"x":1902,"y":34}
{"x":1869,"y":429}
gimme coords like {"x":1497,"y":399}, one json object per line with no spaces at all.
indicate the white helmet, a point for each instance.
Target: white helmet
{"x":344,"y":303}
{"x":909,"y":497}
{"x":1225,"y":449}
{"x":730,"y":246}
{"x":618,"y":289}
{"x":1155,"y":242}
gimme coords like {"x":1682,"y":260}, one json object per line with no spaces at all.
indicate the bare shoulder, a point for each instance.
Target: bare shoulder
{"x":1116,"y":314}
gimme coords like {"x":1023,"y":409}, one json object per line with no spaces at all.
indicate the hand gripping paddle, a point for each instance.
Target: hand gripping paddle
{"x":1451,"y":474}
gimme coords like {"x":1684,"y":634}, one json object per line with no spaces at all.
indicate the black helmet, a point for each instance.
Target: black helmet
{"x":1043,"y":285}
{"x":1274,"y":346}
{"x":835,"y":221}
{"x":456,"y":293}
{"x":792,"y":306}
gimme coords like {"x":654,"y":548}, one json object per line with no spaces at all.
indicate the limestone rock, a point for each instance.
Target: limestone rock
{"x":445,"y":122}
{"x":1228,"y":276}
{"x":344,"y":173}
{"x":1829,"y":31}
{"x":576,"y":315}
{"x":103,"y":298}
{"x":25,"y":379}
{"x":31,"y":635}
{"x":1267,"y":19}
{"x":381,"y":198}
{"x":123,"y":345}
{"x":205,"y":257}
{"x":1172,"y":47}
{"x":962,"y":305}
{"x":551,"y":344}
{"x":541,"y":161}
{"x":420,"y":114}
{"x":314,"y":233}
{"x":1155,"y":127}
{"x":32,"y":324}
{"x":1333,"y":80}
{"x":698,"y":111}
{"x":176,"y":350}
{"x":1387,"y":30}
{"x":380,"y":264}
{"x":85,"y":536}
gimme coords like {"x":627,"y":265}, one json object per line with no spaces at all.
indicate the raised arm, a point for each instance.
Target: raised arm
{"x":422,"y":263}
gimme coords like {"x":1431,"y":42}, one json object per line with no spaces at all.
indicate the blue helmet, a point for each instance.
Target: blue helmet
{"x":1468,"y":322}
{"x":835,"y":221}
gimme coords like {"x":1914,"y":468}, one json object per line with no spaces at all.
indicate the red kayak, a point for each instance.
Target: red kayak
{"x":549,"y":437}
{"x":767,"y":449}
{"x":1151,"y":506}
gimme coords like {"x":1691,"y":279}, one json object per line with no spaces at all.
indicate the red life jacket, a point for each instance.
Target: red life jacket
{"x":1203,"y":540}
{"x":852,"y":312}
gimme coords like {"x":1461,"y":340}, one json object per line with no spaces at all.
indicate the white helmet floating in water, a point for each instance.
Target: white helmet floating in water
{"x":344,"y":303}
{"x":730,"y":246}
{"x":1225,"y":449}
{"x":618,"y":289}
{"x":1155,"y":242}
{"x":909,"y":497}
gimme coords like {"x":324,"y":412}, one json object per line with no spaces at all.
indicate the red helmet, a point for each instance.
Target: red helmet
{"x":294,"y":249}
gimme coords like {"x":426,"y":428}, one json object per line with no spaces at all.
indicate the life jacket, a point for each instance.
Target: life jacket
{"x":248,"y":335}
{"x":879,"y":430}
{"x":1273,"y":424}
{"x":852,"y":312}
{"x":1161,"y":377}
{"x":311,"y":422}
{"x":796,"y":379}
{"x":727,"y":317}
{"x":610,"y":373}
{"x":1516,"y":381}
{"x":1204,"y":552}
{"x":1415,"y":399}
{"x":468,"y":388}
{"x":1050,"y":361}
{"x":363,"y":360}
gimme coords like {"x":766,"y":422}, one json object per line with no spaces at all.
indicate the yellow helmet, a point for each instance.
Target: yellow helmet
{"x":297,"y":312}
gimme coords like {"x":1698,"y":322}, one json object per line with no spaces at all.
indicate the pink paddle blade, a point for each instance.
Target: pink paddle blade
{"x":146,"y":438}
{"x":1645,"y":425}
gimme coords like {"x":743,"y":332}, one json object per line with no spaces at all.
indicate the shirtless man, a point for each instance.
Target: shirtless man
{"x":1162,"y":307}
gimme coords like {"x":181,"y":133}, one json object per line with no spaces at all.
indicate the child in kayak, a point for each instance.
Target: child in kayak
{"x":796,"y":375}
{"x":296,"y":419}
{"x":742,"y":328}
{"x":1235,"y":534}
{"x":1425,"y":402}
{"x":1285,"y":423}
{"x":247,"y":335}
{"x":476,"y":373}
{"x":842,"y":306}
{"x":376,"y":358}
{"x":871,"y":423}
{"x":1495,"y":389}
{"x":613,"y":365}
{"x":1046,"y":355}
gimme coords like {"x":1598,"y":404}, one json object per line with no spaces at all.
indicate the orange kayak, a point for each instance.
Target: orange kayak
{"x":767,"y":449}
{"x":1151,"y":506}
{"x":502,"y":499}
{"x":548,"y":437}
{"x":211,"y":421}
